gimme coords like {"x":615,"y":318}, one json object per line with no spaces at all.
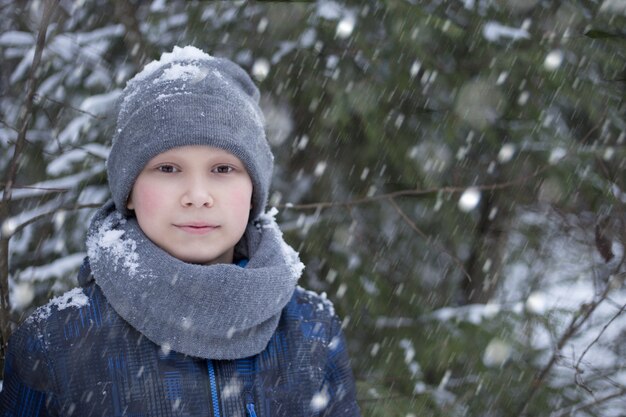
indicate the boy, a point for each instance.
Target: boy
{"x":189,"y":304}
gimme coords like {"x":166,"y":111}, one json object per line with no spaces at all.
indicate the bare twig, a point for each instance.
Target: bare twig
{"x":580,"y":318}
{"x":409,"y":193}
{"x":8,"y":125}
{"x":95,"y":116}
{"x":568,"y":411}
{"x":413,"y":226}
{"x":402,"y":193}
{"x":387,"y":398}
{"x":615,"y":316}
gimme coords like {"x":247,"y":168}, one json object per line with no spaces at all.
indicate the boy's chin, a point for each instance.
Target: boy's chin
{"x":226,"y":258}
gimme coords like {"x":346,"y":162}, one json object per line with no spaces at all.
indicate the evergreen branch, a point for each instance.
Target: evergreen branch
{"x":32,"y":187}
{"x":11,"y":142}
{"x":50,"y":213}
{"x":125,"y":12}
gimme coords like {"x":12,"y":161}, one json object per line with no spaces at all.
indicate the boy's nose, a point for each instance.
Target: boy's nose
{"x":197,"y":194}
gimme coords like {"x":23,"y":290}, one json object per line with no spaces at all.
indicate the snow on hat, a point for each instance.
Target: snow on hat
{"x":188,"y":97}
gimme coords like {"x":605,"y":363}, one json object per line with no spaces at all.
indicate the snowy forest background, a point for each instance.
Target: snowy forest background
{"x":451,"y":172}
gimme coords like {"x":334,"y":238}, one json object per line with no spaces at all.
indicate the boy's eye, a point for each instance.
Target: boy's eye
{"x":166,"y":168}
{"x":223,"y":169}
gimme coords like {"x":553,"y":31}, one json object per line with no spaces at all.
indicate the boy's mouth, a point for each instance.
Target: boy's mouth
{"x":196,"y":228}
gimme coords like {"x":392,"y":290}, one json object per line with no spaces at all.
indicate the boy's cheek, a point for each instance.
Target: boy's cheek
{"x":148,"y":198}
{"x":241,"y":200}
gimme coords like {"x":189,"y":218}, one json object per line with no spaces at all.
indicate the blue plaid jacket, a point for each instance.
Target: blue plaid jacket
{"x":87,"y":361}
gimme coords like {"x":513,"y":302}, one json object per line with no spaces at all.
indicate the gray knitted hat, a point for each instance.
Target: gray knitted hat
{"x":189,"y":98}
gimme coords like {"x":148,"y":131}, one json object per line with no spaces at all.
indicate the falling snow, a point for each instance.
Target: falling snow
{"x":319,"y":401}
{"x":553,"y":60}
{"x":469,"y":199}
{"x":494,"y":31}
{"x":390,"y":124}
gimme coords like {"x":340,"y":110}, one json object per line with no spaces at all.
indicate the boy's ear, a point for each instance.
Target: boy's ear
{"x":129,"y":203}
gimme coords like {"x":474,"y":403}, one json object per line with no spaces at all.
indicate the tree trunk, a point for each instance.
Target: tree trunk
{"x":126,"y":13}
{"x":485,"y":260}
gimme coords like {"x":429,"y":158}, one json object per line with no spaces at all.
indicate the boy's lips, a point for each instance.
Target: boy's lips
{"x":196,"y":228}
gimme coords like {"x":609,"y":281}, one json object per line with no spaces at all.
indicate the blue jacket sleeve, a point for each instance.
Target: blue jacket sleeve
{"x":339,"y":380}
{"x":25,"y":389}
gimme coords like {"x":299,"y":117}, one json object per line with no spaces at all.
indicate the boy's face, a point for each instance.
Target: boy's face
{"x":194,"y":202}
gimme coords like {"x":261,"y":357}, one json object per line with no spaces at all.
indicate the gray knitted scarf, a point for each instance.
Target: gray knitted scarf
{"x":220,"y":311}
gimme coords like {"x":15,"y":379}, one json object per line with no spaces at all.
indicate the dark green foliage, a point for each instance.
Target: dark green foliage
{"x":391,"y":124}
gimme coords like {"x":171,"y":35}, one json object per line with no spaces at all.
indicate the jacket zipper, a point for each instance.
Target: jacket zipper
{"x":250,"y":408}
{"x":250,"y":401}
{"x":246,"y":367}
{"x":213,"y":381}
{"x":216,"y":405}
